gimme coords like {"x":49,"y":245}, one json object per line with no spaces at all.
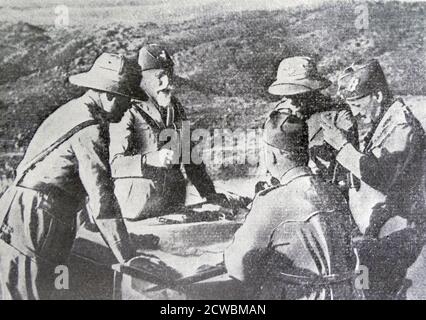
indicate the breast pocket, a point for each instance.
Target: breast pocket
{"x":147,"y":139}
{"x":57,"y":240}
{"x":56,"y":232}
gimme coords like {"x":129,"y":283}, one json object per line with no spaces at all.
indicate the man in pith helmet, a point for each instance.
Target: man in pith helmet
{"x":386,"y":165}
{"x":146,"y":167}
{"x":300,"y":84}
{"x":66,"y":162}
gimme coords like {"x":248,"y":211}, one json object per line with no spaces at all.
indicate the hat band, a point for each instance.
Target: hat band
{"x":357,"y":97}
{"x":298,"y":77}
{"x":292,"y":84}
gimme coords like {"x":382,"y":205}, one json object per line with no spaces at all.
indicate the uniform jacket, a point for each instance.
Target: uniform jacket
{"x":390,"y":170}
{"x":40,"y":211}
{"x":140,"y":132}
{"x":301,"y":228}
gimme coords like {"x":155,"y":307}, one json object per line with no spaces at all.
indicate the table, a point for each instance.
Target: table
{"x":185,"y":247}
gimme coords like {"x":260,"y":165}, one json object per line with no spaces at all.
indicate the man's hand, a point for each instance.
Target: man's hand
{"x":153,"y":266}
{"x":344,"y":120}
{"x":162,"y":158}
{"x":334,"y":136}
{"x":218,"y":199}
{"x":145,"y":241}
{"x":260,"y":186}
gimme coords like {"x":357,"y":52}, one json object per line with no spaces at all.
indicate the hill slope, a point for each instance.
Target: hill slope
{"x":225,"y":62}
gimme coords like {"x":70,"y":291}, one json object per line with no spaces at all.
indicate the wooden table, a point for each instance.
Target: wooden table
{"x":184,"y":247}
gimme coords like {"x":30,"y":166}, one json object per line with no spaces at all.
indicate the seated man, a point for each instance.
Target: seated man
{"x":146,"y":166}
{"x":296,"y":240}
{"x":386,"y":165}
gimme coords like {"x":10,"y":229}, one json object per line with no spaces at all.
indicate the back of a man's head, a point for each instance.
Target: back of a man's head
{"x":286,"y":143}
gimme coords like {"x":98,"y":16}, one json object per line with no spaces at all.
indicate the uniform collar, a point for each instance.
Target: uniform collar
{"x":159,"y":113}
{"x":151,"y":108}
{"x":392,"y":115}
{"x":388,"y":111}
{"x":87,"y":99}
{"x":94,"y":108}
{"x":397,"y":103}
{"x":295,"y":173}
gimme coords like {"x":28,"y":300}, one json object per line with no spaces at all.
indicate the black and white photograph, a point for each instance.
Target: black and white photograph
{"x":212,"y":150}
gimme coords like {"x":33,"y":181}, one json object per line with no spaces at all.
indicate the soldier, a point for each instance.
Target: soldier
{"x":387,"y":167}
{"x":148,"y":176}
{"x":66,"y":161}
{"x":295,"y":242}
{"x":300,"y":84}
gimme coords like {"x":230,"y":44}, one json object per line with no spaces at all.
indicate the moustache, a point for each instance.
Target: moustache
{"x":165,"y":92}
{"x":166,"y":86}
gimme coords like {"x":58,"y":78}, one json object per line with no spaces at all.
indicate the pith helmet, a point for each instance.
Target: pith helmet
{"x":153,"y":56}
{"x":111,"y":73}
{"x":297,"y":75}
{"x":358,"y":81}
{"x":285,"y":131}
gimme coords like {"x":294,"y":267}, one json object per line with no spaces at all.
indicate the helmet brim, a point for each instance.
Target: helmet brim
{"x":287,"y":88}
{"x":96,"y":82}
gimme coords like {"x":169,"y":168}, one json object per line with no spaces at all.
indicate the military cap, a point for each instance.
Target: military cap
{"x":285,"y":131}
{"x":111,"y":73}
{"x":360,"y":80}
{"x":153,"y":56}
{"x":297,"y":75}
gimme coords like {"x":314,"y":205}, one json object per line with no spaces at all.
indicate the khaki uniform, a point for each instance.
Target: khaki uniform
{"x":388,"y":182}
{"x":294,"y":232}
{"x":155,"y":190}
{"x":388,"y":172}
{"x":39,"y":212}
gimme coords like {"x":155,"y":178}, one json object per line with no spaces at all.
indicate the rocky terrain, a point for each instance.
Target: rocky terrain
{"x":224,"y":61}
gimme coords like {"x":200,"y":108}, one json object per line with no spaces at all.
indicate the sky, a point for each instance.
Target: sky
{"x":86,"y":12}
{"x":245,"y":4}
{"x":242,"y":3}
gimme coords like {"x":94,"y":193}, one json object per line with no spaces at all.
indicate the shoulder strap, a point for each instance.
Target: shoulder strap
{"x":43,"y":154}
{"x":147,"y":116}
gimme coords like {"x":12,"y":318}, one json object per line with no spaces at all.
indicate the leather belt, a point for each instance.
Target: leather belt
{"x":56,"y":201}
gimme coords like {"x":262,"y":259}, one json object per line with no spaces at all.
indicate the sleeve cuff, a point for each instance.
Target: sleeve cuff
{"x":127,"y":166}
{"x":350,"y":158}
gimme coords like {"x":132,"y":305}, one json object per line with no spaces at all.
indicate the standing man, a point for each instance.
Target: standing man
{"x":300,"y":84}
{"x":66,"y":162}
{"x":147,"y":171}
{"x":295,"y":242}
{"x":387,"y":167}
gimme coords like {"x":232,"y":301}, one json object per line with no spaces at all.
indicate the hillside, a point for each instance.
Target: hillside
{"x":225,"y":62}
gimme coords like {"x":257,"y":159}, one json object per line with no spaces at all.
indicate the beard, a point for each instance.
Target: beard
{"x":118,"y":112}
{"x":164,"y":97}
{"x":365,"y":126}
{"x":116,"y":117}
